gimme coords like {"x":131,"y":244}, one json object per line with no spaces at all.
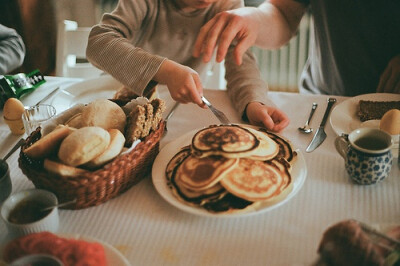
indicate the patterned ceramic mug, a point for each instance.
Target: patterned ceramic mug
{"x":367,"y":154}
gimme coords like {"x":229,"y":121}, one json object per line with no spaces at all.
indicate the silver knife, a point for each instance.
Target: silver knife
{"x":320,"y":135}
{"x":47,"y":96}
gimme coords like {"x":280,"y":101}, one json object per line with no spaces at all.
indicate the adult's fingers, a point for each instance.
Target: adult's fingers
{"x":232,"y":26}
{"x":240,"y":49}
{"x":217,"y":35}
{"x":202,"y":36}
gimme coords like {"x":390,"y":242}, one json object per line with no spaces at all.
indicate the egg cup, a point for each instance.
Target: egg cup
{"x":48,"y":222}
{"x":16,"y":126}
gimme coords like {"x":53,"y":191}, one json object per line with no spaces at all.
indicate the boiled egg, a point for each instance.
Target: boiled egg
{"x":13,"y":109}
{"x":390,"y":122}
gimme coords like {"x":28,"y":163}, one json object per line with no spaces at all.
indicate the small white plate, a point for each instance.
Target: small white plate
{"x":103,"y":87}
{"x":299,"y":174}
{"x":344,"y":117}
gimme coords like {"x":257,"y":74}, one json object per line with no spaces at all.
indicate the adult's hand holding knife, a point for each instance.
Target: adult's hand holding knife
{"x":320,"y":135}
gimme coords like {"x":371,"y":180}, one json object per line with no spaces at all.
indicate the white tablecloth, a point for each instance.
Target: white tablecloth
{"x":149,"y":231}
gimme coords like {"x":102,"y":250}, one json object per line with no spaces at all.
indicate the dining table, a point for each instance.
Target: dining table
{"x":146,"y":229}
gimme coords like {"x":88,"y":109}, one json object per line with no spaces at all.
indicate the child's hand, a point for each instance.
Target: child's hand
{"x":183,"y":83}
{"x":270,"y":117}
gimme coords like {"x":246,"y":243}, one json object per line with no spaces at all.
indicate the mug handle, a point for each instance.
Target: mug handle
{"x":341,"y":144}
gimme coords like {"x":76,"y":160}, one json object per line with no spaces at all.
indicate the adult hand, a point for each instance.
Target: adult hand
{"x":183,"y":83}
{"x":390,"y":78}
{"x":235,"y":25}
{"x":270,"y":117}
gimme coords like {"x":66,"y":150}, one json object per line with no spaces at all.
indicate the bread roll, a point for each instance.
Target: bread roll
{"x":62,"y":169}
{"x":117,"y":141}
{"x":105,"y":114}
{"x":48,"y":144}
{"x":83,"y":145}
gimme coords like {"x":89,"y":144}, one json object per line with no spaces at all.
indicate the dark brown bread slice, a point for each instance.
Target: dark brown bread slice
{"x":369,"y":110}
{"x":158,"y":110}
{"x":135,"y":125}
{"x":148,"y":121}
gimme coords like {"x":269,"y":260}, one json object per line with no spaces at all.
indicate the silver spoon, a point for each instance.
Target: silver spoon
{"x":306,"y":128}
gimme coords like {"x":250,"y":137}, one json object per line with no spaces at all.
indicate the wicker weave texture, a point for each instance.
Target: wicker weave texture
{"x":97,"y":187}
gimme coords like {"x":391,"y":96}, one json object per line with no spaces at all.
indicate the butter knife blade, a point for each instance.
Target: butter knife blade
{"x":48,"y":96}
{"x":320,"y":135}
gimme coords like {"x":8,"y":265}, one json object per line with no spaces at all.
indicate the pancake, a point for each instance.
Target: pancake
{"x":230,"y":141}
{"x":285,"y":147}
{"x":196,"y":173}
{"x":267,"y":149}
{"x":256,"y":180}
{"x":231,"y":169}
{"x":187,"y":196}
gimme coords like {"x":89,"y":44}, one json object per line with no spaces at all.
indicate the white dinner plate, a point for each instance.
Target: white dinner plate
{"x":344,"y":117}
{"x":103,"y":87}
{"x":299,"y":174}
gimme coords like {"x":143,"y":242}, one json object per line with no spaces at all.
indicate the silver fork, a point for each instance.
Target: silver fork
{"x":220,"y":115}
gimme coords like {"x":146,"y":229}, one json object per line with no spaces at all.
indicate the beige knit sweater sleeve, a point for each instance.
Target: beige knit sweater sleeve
{"x":110,"y":46}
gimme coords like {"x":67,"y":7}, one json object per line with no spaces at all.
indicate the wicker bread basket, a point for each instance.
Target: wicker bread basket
{"x":97,"y":187}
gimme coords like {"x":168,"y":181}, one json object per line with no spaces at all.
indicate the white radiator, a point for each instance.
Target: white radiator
{"x":282,"y":68}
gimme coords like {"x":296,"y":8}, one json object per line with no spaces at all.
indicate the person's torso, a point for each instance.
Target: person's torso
{"x":169,"y":32}
{"x":354,"y":41}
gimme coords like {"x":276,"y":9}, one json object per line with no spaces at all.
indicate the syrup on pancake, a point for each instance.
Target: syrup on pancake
{"x":197,"y":173}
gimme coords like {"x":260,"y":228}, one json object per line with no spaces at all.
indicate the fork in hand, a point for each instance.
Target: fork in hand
{"x":220,"y":115}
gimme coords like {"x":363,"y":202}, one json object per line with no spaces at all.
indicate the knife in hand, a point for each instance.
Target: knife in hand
{"x":320,"y":135}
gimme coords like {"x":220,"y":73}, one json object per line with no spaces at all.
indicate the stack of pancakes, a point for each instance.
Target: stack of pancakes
{"x":230,"y":168}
